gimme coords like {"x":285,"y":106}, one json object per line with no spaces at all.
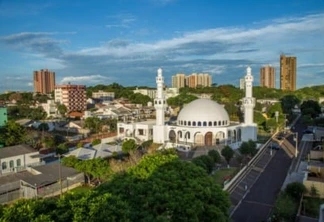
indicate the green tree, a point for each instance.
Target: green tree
{"x":70,"y":161}
{"x":61,"y":108}
{"x":288,"y":102}
{"x":43,"y":127}
{"x":295,"y":190}
{"x":285,"y":208}
{"x":129,"y":145}
{"x":228,"y":153}
{"x":248,"y":148}
{"x":215,"y":155}
{"x":206,"y":162}
{"x":93,"y":123}
{"x":310,"y":107}
{"x":62,"y":148}
{"x":12,"y":134}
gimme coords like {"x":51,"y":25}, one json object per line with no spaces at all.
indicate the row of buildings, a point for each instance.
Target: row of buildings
{"x":192,"y":81}
{"x":287,"y":74}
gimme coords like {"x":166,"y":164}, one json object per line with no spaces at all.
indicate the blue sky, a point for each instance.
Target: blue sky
{"x":126,"y":41}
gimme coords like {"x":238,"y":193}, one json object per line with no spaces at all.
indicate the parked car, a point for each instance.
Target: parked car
{"x":274,"y":146}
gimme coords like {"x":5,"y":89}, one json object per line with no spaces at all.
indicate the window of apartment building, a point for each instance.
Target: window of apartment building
{"x":18,"y":162}
{"x":141,"y":132}
{"x":121,"y":130}
{"x":11,"y":164}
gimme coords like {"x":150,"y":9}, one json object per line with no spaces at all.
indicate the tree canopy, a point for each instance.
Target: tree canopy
{"x":12,"y":134}
{"x":160,"y":188}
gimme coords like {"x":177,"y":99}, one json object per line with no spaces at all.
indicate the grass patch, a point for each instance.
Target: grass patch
{"x":220,"y":174}
{"x":80,"y":190}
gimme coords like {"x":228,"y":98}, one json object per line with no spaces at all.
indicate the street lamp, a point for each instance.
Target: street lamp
{"x":296,"y":139}
{"x":60,"y":173}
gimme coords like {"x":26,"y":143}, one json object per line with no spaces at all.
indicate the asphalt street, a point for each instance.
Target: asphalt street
{"x":258,"y":203}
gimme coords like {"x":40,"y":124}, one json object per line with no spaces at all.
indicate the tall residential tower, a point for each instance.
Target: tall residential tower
{"x":44,"y":81}
{"x":268,"y":76}
{"x":288,"y":73}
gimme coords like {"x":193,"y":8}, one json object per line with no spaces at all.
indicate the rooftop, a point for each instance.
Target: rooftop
{"x":16,"y":150}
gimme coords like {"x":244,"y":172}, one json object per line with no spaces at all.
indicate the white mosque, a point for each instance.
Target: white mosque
{"x":202,"y":122}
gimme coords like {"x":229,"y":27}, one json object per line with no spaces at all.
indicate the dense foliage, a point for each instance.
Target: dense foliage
{"x":12,"y":134}
{"x":160,"y":188}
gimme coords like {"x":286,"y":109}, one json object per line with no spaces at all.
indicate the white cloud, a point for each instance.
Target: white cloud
{"x":87,"y":80}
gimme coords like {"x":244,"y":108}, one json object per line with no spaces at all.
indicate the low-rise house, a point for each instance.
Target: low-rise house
{"x":50,"y":108}
{"x":141,"y":131}
{"x":73,"y":127}
{"x":17,"y":158}
{"x":102,"y":150}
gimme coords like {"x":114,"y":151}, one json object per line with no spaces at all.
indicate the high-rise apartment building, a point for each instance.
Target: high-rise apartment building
{"x":179,"y":81}
{"x":44,"y":81}
{"x":72,"y":96}
{"x":268,"y":76}
{"x":288,"y":73}
{"x":194,"y":80}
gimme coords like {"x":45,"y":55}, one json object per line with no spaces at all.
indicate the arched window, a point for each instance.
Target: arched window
{"x":194,"y":123}
{"x":185,"y":123}
{"x":11,"y":164}
{"x":199,"y":123}
{"x":210,"y":123}
{"x":215,"y":123}
{"x":4,"y":165}
{"x":219,"y":123}
{"x":223,"y":122}
{"x":205,"y":123}
{"x":180,"y":134}
{"x":159,"y":101}
{"x":189,"y":123}
{"x":18,"y":162}
{"x":181,"y":122}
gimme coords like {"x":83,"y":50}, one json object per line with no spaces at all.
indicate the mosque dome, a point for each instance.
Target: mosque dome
{"x":203,"y":113}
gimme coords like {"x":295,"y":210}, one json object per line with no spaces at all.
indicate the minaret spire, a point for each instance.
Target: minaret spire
{"x":248,"y":100}
{"x":160,"y":106}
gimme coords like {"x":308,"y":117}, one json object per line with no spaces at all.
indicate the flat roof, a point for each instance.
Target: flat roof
{"x":11,"y":151}
{"x":50,"y":173}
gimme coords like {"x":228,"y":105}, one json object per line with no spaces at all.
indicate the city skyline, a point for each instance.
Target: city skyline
{"x":126,"y":41}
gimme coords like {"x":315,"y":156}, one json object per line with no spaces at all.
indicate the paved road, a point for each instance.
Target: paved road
{"x":259,"y":202}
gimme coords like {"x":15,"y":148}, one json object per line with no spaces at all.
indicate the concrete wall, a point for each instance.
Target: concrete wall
{"x":317,"y":184}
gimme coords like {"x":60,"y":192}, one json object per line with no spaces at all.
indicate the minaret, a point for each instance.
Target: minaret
{"x":248,"y":100}
{"x":160,"y":107}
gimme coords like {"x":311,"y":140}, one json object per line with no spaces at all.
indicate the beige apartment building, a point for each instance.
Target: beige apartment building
{"x":44,"y":81}
{"x":288,"y":73}
{"x":179,"y":81}
{"x":72,"y":96}
{"x":192,"y":81}
{"x":268,"y":77}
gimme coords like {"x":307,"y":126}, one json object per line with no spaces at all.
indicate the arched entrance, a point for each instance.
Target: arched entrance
{"x":172,"y":136}
{"x":199,"y":139}
{"x":209,"y":139}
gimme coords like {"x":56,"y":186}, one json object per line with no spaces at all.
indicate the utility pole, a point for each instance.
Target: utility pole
{"x":296,"y":150}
